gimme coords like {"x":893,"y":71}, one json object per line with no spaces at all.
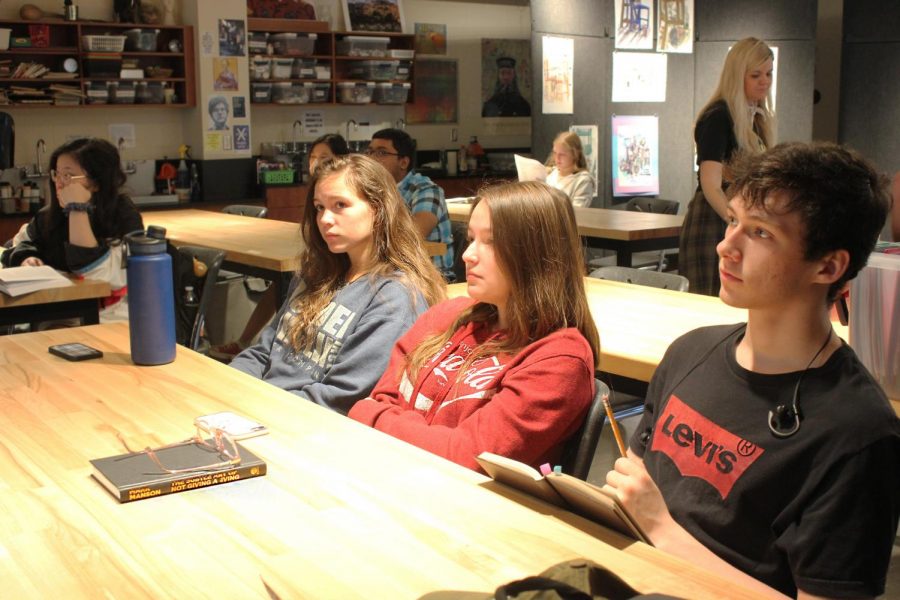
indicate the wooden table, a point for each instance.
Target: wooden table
{"x":259,"y":247}
{"x":75,"y":301}
{"x":625,"y":232}
{"x":344,"y":511}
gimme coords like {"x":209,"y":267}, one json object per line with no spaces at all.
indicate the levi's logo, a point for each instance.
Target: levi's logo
{"x":701,"y":448}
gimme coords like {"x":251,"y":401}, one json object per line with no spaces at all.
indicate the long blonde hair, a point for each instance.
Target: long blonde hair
{"x":571,"y":141}
{"x":744,"y":56}
{"x":399,"y":251}
{"x":537,"y":247}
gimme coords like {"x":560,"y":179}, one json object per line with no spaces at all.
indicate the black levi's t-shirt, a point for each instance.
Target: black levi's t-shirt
{"x":817,"y":510}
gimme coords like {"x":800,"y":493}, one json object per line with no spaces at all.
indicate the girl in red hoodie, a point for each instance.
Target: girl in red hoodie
{"x":509,"y":370}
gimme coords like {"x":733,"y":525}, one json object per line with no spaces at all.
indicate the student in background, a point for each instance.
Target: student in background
{"x":510,"y":369}
{"x":737,"y":119}
{"x":569,"y":169}
{"x":363,"y":279}
{"x":82,"y":228}
{"x":767,"y":452}
{"x":395,"y":150}
{"x":323,"y":149}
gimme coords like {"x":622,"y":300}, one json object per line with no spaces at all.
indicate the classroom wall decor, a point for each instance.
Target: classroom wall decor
{"x":639,"y":77}
{"x":431,"y":38}
{"x":589,"y":138}
{"x":505,"y":78}
{"x":557,"y":67}
{"x":635,"y":155}
{"x":675,"y":26}
{"x":374,"y":15}
{"x":634,"y":24}
{"x":436,"y":82}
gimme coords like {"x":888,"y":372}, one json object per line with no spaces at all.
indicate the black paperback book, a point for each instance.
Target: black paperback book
{"x":135,"y":476}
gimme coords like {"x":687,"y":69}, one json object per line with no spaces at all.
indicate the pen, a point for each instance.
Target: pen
{"x":614,"y":425}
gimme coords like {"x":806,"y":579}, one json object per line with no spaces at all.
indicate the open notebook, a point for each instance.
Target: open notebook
{"x":15,"y":281}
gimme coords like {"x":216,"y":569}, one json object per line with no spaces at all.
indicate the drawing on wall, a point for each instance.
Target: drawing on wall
{"x":675,"y":26}
{"x":431,"y":38}
{"x":218,"y":113}
{"x":589,"y":137}
{"x":241,"y":137}
{"x":639,"y":77}
{"x":635,"y":24}
{"x":374,"y":15}
{"x":436,"y":82}
{"x":505,"y":78}
{"x":556,"y":75}
{"x":635,"y":155}
{"x":232,"y":39}
{"x":225,"y":70}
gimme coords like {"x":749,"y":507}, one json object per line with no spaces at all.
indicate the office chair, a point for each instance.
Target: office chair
{"x":666,"y":281}
{"x":246,"y":210}
{"x":190,"y":320}
{"x":579,"y":450}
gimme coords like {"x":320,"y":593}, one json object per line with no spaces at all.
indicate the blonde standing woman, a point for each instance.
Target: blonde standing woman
{"x":569,"y":169}
{"x":737,"y":119}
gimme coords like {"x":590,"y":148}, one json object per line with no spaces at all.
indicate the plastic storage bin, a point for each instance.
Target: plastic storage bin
{"x":323,"y":70}
{"x":375,"y":70}
{"x":304,"y":68}
{"x":293,"y":44}
{"x":291,"y":93}
{"x":121,"y":92}
{"x":282,"y":67}
{"x":260,"y":68}
{"x":282,"y":177}
{"x":261,"y":92}
{"x":257,"y":42}
{"x":391,"y":93}
{"x":321,"y":92}
{"x":149,"y":92}
{"x":355,"y":93}
{"x":404,"y":68}
{"x":97,"y":93}
{"x":143,"y":40}
{"x":103,"y":43}
{"x":360,"y":45}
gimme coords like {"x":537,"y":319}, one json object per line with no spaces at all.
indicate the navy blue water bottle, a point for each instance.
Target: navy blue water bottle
{"x":151,"y":301}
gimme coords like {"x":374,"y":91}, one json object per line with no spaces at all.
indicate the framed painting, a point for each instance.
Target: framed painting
{"x":374,"y":15}
{"x":436,"y":85}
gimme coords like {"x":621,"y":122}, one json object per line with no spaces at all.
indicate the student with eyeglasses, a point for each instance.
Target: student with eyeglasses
{"x":394,"y":149}
{"x":82,"y":227}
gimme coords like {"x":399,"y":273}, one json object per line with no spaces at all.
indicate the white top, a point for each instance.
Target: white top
{"x":579,"y":186}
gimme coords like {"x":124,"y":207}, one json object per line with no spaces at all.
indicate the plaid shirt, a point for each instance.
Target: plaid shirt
{"x":422,"y":194}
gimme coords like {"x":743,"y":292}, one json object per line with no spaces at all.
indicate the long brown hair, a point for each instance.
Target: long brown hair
{"x":537,"y":247}
{"x":399,"y":251}
{"x":570,"y":140}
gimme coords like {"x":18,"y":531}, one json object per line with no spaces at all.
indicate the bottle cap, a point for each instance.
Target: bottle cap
{"x":140,"y":243}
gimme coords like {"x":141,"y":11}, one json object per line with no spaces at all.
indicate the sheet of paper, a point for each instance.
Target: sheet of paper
{"x":529,"y":169}
{"x":15,"y":281}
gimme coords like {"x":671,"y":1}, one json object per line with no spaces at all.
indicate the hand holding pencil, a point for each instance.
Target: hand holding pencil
{"x":615,"y":426}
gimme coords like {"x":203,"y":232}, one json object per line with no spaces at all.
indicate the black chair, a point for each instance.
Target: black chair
{"x":665,"y":281}
{"x":190,"y":320}
{"x":580,"y":449}
{"x":246,"y":210}
{"x":652,"y":205}
{"x":460,"y":243}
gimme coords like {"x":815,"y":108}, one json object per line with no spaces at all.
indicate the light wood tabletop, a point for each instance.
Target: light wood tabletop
{"x":77,"y":300}
{"x":625,"y":232}
{"x":344,"y":511}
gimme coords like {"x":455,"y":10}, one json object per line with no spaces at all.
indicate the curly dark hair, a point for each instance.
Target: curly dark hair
{"x":842,"y":200}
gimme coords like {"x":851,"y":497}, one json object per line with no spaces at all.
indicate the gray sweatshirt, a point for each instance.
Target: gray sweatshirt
{"x":356,"y":333}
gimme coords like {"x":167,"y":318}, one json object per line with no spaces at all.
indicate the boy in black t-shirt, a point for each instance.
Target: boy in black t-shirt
{"x":767,"y":452}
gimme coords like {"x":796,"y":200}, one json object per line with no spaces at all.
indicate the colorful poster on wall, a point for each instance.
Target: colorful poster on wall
{"x":635,"y":155}
{"x":639,"y":77}
{"x":634,"y":30}
{"x":225,"y":70}
{"x":241,"y":137}
{"x":590,"y":139}
{"x":675,"y":26}
{"x":556,"y":75}
{"x":232,"y":38}
{"x":505,"y":78}
{"x":436,"y":82}
{"x":431,"y":38}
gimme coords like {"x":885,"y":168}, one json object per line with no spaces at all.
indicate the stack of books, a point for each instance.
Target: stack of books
{"x":29,"y":70}
{"x":29,"y":95}
{"x":66,"y":95}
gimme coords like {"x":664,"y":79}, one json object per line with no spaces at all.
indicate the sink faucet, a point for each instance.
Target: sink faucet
{"x":39,"y":151}
{"x":297,"y":123}
{"x":355,"y":127}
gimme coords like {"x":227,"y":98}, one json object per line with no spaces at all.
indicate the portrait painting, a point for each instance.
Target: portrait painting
{"x":225,"y":70}
{"x":505,"y":78}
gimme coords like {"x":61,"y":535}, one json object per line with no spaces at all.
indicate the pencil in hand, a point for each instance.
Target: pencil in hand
{"x":614,"y":425}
